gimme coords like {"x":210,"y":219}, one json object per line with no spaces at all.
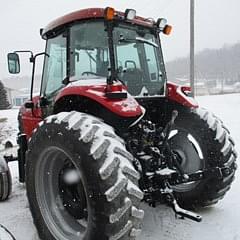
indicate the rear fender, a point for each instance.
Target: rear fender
{"x":180,"y":95}
{"x":125,"y":107}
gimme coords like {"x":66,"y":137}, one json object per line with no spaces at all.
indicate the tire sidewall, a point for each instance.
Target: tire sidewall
{"x":79,"y":154}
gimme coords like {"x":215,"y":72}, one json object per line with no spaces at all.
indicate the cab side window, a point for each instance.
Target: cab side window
{"x":55,"y":67}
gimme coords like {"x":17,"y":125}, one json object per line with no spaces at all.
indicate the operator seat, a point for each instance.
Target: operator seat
{"x":133,"y":78}
{"x":103,"y":67}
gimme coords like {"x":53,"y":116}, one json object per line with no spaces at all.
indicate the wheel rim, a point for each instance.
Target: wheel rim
{"x":189,"y":153}
{"x":51,"y":192}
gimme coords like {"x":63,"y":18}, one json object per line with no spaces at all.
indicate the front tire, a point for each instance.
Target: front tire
{"x":5,"y":180}
{"x":202,"y":142}
{"x":99,"y":202}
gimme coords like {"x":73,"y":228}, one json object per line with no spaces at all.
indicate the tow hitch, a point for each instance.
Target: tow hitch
{"x":183,"y":212}
{"x":168,"y":177}
{"x":165,"y":195}
{"x":172,"y":202}
{"x":171,"y":173}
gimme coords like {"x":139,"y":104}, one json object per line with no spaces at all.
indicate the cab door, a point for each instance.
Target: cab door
{"x":55,"y":71}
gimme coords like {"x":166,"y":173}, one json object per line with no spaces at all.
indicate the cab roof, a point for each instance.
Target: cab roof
{"x":85,"y":14}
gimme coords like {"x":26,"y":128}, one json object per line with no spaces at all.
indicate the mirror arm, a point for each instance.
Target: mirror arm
{"x":33,"y":74}
{"x":32,"y":60}
{"x":26,"y":51}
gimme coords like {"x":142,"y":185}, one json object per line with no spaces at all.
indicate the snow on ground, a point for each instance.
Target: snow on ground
{"x":8,"y":129}
{"x":219,"y":222}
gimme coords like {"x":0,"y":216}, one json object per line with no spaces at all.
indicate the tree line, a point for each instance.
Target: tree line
{"x":210,"y":64}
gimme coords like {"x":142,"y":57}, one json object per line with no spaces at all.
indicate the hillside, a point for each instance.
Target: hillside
{"x":211,"y":64}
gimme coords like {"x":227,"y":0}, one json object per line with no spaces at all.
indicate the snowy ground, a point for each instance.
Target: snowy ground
{"x":8,"y":126}
{"x":219,"y":222}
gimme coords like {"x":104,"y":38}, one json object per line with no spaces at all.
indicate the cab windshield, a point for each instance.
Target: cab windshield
{"x":137,"y":54}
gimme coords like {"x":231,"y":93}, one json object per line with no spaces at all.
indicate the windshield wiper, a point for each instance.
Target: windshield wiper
{"x":138,"y":39}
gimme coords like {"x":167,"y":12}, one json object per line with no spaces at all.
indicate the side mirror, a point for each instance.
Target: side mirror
{"x":13,"y":63}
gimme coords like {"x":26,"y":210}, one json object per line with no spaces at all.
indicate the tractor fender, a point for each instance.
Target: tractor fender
{"x":96,"y":91}
{"x":180,"y":95}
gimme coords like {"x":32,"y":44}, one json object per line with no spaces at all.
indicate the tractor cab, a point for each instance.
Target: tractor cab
{"x":103,"y":44}
{"x":111,"y":45}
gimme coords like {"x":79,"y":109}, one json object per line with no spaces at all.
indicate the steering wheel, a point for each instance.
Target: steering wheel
{"x":88,"y":73}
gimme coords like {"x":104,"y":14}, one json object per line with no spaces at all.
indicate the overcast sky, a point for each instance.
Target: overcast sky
{"x":217,"y":23}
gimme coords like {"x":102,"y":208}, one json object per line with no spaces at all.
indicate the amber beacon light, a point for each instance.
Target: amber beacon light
{"x":109,"y":13}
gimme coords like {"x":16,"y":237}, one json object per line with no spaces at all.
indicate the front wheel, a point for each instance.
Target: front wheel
{"x":201,"y":142}
{"x":5,"y":180}
{"x":80,"y":181}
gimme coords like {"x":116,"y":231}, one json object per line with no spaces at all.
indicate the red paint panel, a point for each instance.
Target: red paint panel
{"x":176,"y":93}
{"x":31,"y":119}
{"x":74,"y":16}
{"x":128,"y":107}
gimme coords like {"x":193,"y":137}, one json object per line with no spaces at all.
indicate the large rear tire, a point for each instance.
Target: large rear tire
{"x":202,"y":142}
{"x":80,"y":181}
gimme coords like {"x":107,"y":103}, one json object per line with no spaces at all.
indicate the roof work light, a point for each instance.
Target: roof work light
{"x":163,"y":26}
{"x":130,"y":14}
{"x":161,"y":23}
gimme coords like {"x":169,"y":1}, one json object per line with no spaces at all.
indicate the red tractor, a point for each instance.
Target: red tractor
{"x":107,"y":131}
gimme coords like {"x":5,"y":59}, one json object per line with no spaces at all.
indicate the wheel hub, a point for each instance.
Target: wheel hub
{"x":61,"y":195}
{"x":187,"y":155}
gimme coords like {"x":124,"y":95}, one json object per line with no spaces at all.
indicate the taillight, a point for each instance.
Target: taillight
{"x":114,"y":88}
